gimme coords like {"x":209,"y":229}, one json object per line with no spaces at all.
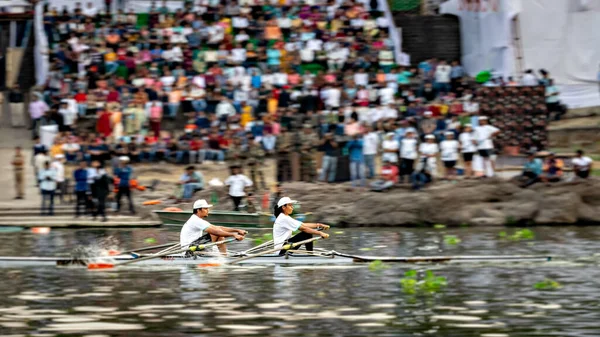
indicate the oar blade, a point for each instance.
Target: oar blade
{"x":99,"y":266}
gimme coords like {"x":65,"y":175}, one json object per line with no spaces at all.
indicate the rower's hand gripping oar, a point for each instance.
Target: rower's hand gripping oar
{"x":191,"y":249}
{"x":284,"y":247}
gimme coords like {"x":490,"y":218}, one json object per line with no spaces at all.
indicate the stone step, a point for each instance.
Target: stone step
{"x":56,"y":222}
{"x":65,"y":218}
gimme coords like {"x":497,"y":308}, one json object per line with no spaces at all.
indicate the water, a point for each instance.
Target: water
{"x":480,"y":300}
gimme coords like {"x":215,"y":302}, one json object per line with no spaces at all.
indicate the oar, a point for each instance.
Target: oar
{"x":191,"y":249}
{"x":284,"y":247}
{"x":115,"y":252}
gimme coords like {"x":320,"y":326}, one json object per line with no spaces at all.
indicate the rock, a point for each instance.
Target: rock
{"x":491,"y":202}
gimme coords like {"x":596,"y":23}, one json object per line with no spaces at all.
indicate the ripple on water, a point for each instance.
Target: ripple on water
{"x":92,"y":326}
{"x":460,"y":318}
{"x":243,"y":327}
{"x":95,"y":309}
{"x":157,"y":307}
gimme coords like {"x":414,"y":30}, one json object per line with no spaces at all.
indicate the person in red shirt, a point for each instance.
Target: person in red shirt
{"x":388,"y":178}
{"x":197,"y":148}
{"x":81,"y":99}
{"x":113,"y":96}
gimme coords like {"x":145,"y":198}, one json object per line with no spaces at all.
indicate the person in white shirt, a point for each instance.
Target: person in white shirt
{"x":468,"y":147}
{"x":386,"y":95}
{"x":90,"y":10}
{"x":197,"y":231}
{"x":449,"y":149}
{"x":370,"y":146}
{"x":485,"y":146}
{"x":408,"y":153}
{"x":529,"y":79}
{"x":285,"y":225}
{"x":237,"y":183}
{"x":59,"y":168}
{"x":582,"y":165}
{"x":428,"y":151}
{"x":390,"y":148}
{"x":361,"y":78}
{"x":47,"y":179}
{"x":442,"y":76}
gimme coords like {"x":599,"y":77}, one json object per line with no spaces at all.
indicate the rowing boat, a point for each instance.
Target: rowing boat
{"x":226,"y":218}
{"x":324,"y":258}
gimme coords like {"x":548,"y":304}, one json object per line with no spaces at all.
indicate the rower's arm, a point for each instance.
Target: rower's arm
{"x":218,"y":231}
{"x":233,"y":230}
{"x":315,"y":225}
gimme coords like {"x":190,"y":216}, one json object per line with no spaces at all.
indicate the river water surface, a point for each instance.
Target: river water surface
{"x":487,"y":300}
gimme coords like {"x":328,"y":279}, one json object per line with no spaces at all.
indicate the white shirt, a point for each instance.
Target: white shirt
{"x":307,"y":55}
{"x":68,"y":116}
{"x":333,"y":97}
{"x":387,"y":95}
{"x":442,"y":73}
{"x":59,"y":168}
{"x":192,"y":230}
{"x":529,"y":80}
{"x":69,"y":147}
{"x":583,"y":163}
{"x":466,"y":143}
{"x":314,"y":44}
{"x":390,"y":145}
{"x":471,"y":106}
{"x":361,"y":79}
{"x":39,"y":160}
{"x":428,"y":149}
{"x":370,"y":143}
{"x":283,"y":228}
{"x":449,"y":150}
{"x":408,"y":150}
{"x":238,"y":55}
{"x":236,"y":184}
{"x":483,"y":135}
{"x":47,"y":185}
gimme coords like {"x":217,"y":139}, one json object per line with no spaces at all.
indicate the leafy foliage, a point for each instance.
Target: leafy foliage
{"x":428,"y":283}
{"x":451,"y":239}
{"x":377,"y":266}
{"x":547,"y":284}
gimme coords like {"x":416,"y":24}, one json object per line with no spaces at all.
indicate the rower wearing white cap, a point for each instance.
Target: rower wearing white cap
{"x":285,"y":225}
{"x":198,"y":231}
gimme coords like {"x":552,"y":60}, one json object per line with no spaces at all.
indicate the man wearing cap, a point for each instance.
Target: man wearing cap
{"x":199,"y":231}
{"x":124,"y":172}
{"x":285,"y":225}
{"x":485,"y":146}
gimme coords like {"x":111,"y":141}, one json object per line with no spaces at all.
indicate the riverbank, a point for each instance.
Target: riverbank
{"x":489,"y":202}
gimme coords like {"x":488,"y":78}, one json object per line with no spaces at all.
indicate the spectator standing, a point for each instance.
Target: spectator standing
{"x":100,"y":189}
{"x":18,"y":164}
{"x":124,"y":172}
{"x":468,"y":147}
{"x":17,"y":106}
{"x":329,"y":166}
{"x":449,"y":149}
{"x":237,"y":183}
{"x":390,"y":148}
{"x":39,"y":162}
{"x":582,"y":165}
{"x":442,"y":77}
{"x":59,"y":168}
{"x":552,"y":100}
{"x":357,"y":167}
{"x":37,"y":109}
{"x":80,"y":176}
{"x":408,"y":154}
{"x":485,"y":146}
{"x":370,"y":147}
{"x":47,"y":179}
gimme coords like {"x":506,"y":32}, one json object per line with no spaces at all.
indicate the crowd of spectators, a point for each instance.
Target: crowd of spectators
{"x":243,"y":80}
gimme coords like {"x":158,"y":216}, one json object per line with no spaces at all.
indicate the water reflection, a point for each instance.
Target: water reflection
{"x":480,"y":300}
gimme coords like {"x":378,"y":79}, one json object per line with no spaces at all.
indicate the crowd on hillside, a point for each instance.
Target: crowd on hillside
{"x":245,"y":80}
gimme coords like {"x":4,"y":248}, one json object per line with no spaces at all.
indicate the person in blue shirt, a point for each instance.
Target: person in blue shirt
{"x":81,"y":188}
{"x":357,"y":161}
{"x":531,"y":170}
{"x":124,"y":172}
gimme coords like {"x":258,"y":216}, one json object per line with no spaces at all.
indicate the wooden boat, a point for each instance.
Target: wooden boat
{"x":227,"y":218}
{"x":326,"y":258}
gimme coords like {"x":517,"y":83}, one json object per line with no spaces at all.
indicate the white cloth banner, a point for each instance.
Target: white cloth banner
{"x":47,"y":134}
{"x":486,"y":34}
{"x":569,"y":47}
{"x":42,"y":65}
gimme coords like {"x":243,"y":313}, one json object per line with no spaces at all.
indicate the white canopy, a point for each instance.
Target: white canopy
{"x":13,"y":3}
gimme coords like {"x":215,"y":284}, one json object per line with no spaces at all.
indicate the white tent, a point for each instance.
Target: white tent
{"x":14,"y":6}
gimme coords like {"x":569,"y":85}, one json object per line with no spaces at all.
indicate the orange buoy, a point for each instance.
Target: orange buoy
{"x":40,"y":230}
{"x":96,"y":266}
{"x":151,"y":202}
{"x":209,"y":265}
